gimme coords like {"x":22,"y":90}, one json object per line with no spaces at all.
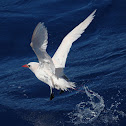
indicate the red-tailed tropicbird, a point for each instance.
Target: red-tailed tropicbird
{"x":50,"y":70}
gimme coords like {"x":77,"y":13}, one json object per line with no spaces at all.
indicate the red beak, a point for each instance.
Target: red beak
{"x":25,"y":66}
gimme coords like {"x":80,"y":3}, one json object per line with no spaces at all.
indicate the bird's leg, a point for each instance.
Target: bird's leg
{"x":51,"y":94}
{"x":61,"y":91}
{"x":65,"y":77}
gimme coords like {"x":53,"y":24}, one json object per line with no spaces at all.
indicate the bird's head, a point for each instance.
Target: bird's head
{"x":32,"y":66}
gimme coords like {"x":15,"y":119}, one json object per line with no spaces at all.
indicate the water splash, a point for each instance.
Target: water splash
{"x":94,"y":112}
{"x":112,"y":114}
{"x":87,"y":112}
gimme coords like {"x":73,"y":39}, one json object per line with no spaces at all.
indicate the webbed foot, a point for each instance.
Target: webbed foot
{"x":61,"y":91}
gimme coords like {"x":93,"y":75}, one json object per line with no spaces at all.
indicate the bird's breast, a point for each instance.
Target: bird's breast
{"x":44,"y":74}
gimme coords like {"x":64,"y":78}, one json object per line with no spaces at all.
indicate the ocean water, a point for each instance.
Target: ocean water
{"x":96,"y":62}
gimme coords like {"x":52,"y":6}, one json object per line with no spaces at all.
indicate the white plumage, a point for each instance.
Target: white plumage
{"x":50,"y":70}
{"x":60,"y":56}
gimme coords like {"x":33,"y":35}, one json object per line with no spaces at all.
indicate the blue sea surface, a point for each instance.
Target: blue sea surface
{"x":96,"y":63}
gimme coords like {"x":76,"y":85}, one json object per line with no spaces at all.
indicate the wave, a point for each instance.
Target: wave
{"x":98,"y":57}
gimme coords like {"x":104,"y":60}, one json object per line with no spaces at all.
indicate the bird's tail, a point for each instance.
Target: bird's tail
{"x":64,"y":85}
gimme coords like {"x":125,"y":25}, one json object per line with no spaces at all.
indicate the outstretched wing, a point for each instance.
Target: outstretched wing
{"x":39,"y":43}
{"x":59,"y":58}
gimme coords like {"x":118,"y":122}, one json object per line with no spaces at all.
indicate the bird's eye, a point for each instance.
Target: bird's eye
{"x":28,"y":65}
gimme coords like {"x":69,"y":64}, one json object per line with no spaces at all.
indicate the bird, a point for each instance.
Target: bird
{"x":50,"y":70}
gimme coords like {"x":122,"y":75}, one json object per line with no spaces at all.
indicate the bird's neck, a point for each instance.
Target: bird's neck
{"x":35,"y":67}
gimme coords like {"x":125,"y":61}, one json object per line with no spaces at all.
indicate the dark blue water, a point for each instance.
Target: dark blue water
{"x":96,"y":62}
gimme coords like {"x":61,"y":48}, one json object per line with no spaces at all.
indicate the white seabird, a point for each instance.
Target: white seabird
{"x":50,"y":70}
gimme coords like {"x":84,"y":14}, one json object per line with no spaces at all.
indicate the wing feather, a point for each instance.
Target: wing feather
{"x":39,"y":44}
{"x":59,"y":58}
{"x":40,"y":37}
